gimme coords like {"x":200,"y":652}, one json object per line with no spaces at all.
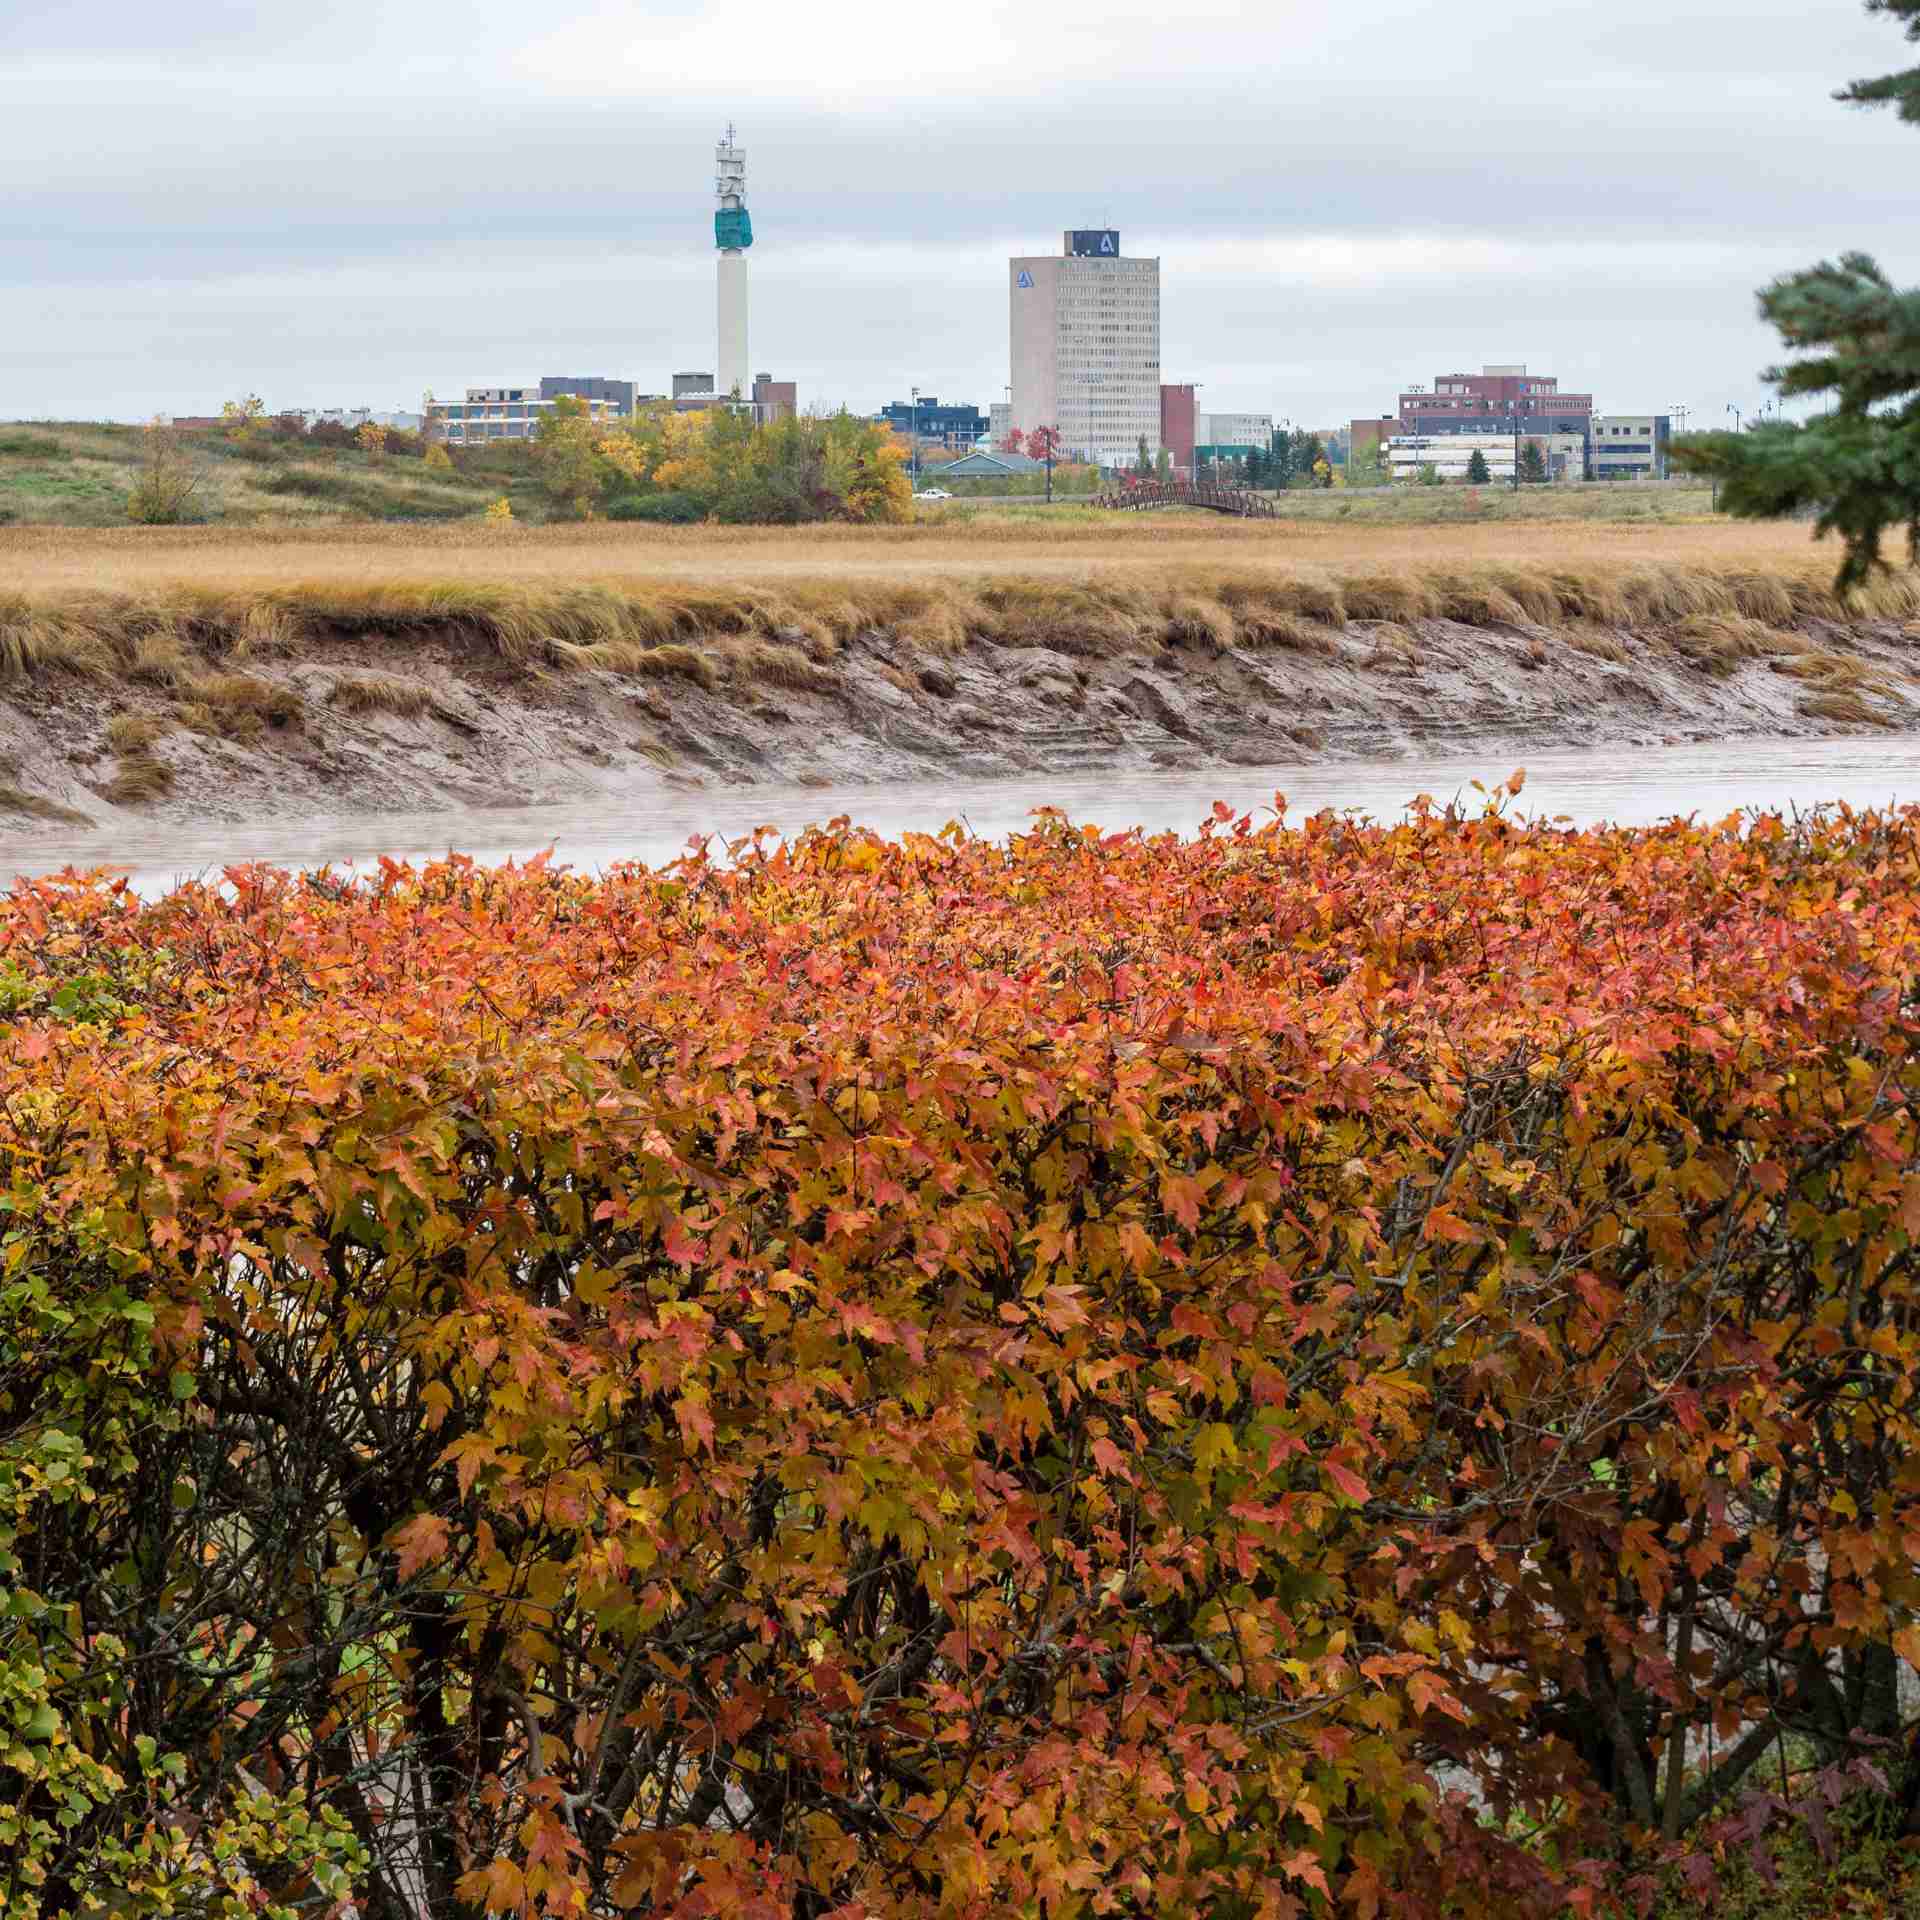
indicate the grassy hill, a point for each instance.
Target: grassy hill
{"x":79,"y":475}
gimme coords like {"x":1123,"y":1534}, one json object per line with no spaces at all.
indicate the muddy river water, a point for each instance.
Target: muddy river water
{"x":1634,"y":786}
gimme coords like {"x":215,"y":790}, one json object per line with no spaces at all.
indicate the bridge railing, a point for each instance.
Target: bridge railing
{"x":1148,"y":494}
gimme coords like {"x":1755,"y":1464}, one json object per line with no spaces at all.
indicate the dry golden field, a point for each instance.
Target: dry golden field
{"x":38,"y":561}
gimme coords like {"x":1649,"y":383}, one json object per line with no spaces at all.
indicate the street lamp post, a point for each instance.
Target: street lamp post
{"x":1513,"y":407}
{"x":1678,"y":411}
{"x":1738,"y":427}
{"x":913,"y":452}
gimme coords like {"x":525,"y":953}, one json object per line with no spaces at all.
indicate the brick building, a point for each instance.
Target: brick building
{"x":774,"y":399}
{"x":1180,"y":423}
{"x":1364,"y":437}
{"x":1498,"y":400}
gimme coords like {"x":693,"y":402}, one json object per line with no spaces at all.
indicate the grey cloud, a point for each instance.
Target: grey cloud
{"x":353,"y":202}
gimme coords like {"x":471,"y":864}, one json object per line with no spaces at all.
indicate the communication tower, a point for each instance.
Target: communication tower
{"x":732,"y":235}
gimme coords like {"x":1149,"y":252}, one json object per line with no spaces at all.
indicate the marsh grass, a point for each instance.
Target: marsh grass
{"x":1847,"y":709}
{"x":780,"y":664}
{"x":139,"y":777}
{"x":1196,"y":621}
{"x":134,"y":732}
{"x":1389,"y":596}
{"x":1827,"y":670}
{"x":670,"y":660}
{"x":1720,"y":642}
{"x":1480,"y":600}
{"x":1290,"y":631}
{"x":786,"y":608}
{"x":237,"y":706}
{"x":379,"y":693}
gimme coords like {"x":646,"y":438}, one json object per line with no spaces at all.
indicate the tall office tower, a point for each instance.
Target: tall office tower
{"x":1086,"y":347}
{"x":733,"y":235}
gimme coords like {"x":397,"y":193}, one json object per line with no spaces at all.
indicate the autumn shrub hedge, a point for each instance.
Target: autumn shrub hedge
{"x":1315,"y":1369}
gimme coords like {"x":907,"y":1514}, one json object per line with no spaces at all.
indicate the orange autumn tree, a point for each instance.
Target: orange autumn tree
{"x":1317,"y":1369}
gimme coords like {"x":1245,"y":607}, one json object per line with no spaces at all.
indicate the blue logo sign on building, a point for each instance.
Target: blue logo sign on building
{"x":1094,"y":243}
{"x":1025,"y":280}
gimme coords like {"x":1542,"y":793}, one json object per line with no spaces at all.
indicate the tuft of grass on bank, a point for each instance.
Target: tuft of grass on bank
{"x":379,"y":693}
{"x":139,"y":777}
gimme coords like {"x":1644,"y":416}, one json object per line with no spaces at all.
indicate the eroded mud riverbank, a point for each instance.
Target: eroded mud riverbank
{"x":211,"y":707}
{"x":420,"y":722}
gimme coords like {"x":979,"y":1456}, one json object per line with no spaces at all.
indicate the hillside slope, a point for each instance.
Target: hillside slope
{"x":79,"y":475}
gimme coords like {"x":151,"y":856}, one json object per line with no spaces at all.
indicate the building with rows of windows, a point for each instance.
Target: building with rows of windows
{"x":1085,"y":332}
{"x":1631,"y":446}
{"x":957,"y":424}
{"x":513,"y":413}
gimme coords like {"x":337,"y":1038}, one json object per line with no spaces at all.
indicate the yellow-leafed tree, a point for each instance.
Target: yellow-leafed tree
{"x":569,"y":453}
{"x":239,"y":419}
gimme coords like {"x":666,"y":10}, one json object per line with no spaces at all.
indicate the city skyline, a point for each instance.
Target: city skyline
{"x":349,"y":211}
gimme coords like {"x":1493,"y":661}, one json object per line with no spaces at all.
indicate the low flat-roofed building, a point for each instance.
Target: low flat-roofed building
{"x":1450,"y":454}
{"x":1210,"y":453}
{"x":488,"y":414}
{"x":952,"y":423}
{"x":619,"y":394}
{"x":1234,"y":430}
{"x":1631,"y":446}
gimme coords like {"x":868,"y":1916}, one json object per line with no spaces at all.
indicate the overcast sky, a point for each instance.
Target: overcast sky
{"x":345,"y":204}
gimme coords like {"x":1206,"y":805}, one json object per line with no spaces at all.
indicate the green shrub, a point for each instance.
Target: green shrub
{"x":667,"y":509}
{"x":308,"y":485}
